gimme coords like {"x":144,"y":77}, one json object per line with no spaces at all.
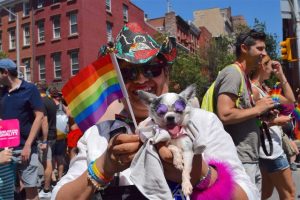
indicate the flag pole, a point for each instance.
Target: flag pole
{"x":123,"y":88}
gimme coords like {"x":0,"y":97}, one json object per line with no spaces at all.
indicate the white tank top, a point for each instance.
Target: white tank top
{"x":276,"y":135}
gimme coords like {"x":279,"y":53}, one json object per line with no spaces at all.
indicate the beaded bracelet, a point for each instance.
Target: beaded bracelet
{"x":99,"y":181}
{"x":205,"y":180}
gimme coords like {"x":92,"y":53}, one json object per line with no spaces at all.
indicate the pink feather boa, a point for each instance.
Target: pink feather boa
{"x":222,"y":189}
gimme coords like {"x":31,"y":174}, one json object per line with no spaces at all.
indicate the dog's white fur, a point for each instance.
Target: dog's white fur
{"x":181,"y":147}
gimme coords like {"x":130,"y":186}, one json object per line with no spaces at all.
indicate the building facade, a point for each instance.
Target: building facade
{"x":186,"y":33}
{"x":218,"y":21}
{"x":59,"y":37}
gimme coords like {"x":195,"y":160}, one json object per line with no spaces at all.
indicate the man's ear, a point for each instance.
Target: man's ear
{"x":189,"y":92}
{"x":244,"y":48}
{"x":146,"y":97}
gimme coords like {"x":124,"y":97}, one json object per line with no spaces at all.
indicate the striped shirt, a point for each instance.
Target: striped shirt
{"x":7,"y":177}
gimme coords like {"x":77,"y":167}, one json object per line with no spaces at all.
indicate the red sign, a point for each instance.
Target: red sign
{"x":9,"y":133}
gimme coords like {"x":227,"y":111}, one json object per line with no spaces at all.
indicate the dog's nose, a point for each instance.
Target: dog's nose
{"x":170,"y":119}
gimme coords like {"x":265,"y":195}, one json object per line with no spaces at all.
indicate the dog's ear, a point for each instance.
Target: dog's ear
{"x":189,"y":92}
{"x":146,"y":97}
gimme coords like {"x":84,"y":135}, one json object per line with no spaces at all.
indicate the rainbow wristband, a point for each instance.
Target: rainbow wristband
{"x":94,"y":170}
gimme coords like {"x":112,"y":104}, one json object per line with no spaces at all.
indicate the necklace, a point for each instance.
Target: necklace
{"x":248,"y":83}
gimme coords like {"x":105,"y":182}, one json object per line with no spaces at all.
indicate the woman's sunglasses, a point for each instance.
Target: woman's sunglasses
{"x":149,"y":71}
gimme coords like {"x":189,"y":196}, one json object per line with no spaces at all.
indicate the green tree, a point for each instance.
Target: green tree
{"x":3,"y":55}
{"x":219,"y":54}
{"x":187,"y":70}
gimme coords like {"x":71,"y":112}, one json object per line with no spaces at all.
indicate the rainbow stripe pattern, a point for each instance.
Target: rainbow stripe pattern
{"x":275,"y":93}
{"x":296,"y":113}
{"x":91,"y":91}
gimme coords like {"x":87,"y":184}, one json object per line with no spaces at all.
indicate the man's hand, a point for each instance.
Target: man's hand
{"x":264,"y":104}
{"x":25,"y":154}
{"x":5,"y":156}
{"x":120,"y":152}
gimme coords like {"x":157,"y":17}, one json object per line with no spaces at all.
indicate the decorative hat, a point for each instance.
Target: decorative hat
{"x":8,"y":64}
{"x":134,"y":45}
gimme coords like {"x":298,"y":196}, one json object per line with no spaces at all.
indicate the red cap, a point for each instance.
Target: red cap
{"x":73,"y":137}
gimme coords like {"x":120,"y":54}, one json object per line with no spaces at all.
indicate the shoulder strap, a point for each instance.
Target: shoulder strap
{"x":238,"y":101}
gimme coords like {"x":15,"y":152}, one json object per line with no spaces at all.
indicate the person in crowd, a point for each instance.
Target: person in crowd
{"x":48,"y":139}
{"x":60,"y":144}
{"x":236,"y":109}
{"x":72,"y":138}
{"x":6,"y":174}
{"x":289,"y":129}
{"x":109,"y":151}
{"x":274,"y":168}
{"x":296,"y":132}
{"x":22,"y":101}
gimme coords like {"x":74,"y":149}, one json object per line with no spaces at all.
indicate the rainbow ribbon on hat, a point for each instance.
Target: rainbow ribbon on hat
{"x":275,"y":93}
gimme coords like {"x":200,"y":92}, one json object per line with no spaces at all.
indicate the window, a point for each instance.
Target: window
{"x":12,"y":39}
{"x":56,"y":27}
{"x":73,"y":23}
{"x":1,"y":41}
{"x":26,"y":8}
{"x":42,"y":68}
{"x":11,"y":15}
{"x":125,"y":13}
{"x":57,"y":65}
{"x":26,"y":35}
{"x":41,"y":31}
{"x":74,"y":62}
{"x":109,"y":31}
{"x":108,"y":5}
{"x":26,"y":63}
{"x":40,"y":3}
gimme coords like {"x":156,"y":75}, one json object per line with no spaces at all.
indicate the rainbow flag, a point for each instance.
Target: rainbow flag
{"x":296,"y":113}
{"x":91,"y":91}
{"x":275,"y":93}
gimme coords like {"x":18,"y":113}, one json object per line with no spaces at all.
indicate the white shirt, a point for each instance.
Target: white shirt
{"x":219,"y":147}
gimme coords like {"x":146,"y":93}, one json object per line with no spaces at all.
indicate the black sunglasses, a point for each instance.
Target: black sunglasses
{"x":149,"y":71}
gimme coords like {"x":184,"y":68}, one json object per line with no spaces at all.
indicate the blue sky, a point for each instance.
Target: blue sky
{"x":267,"y":11}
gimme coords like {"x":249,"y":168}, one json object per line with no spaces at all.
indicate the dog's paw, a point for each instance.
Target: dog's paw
{"x":187,"y":188}
{"x":178,"y":163}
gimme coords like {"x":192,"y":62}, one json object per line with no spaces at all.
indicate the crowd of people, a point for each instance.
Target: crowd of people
{"x":231,"y":158}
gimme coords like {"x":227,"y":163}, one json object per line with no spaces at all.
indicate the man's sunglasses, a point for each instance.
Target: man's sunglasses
{"x":149,"y":71}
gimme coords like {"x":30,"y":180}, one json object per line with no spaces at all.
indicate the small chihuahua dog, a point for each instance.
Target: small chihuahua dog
{"x":170,"y":111}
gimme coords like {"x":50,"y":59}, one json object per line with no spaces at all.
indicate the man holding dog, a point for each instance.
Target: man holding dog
{"x":104,"y":152}
{"x":239,"y":119}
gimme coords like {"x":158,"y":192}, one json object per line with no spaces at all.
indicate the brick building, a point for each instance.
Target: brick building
{"x":58,"y":37}
{"x":186,"y":33}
